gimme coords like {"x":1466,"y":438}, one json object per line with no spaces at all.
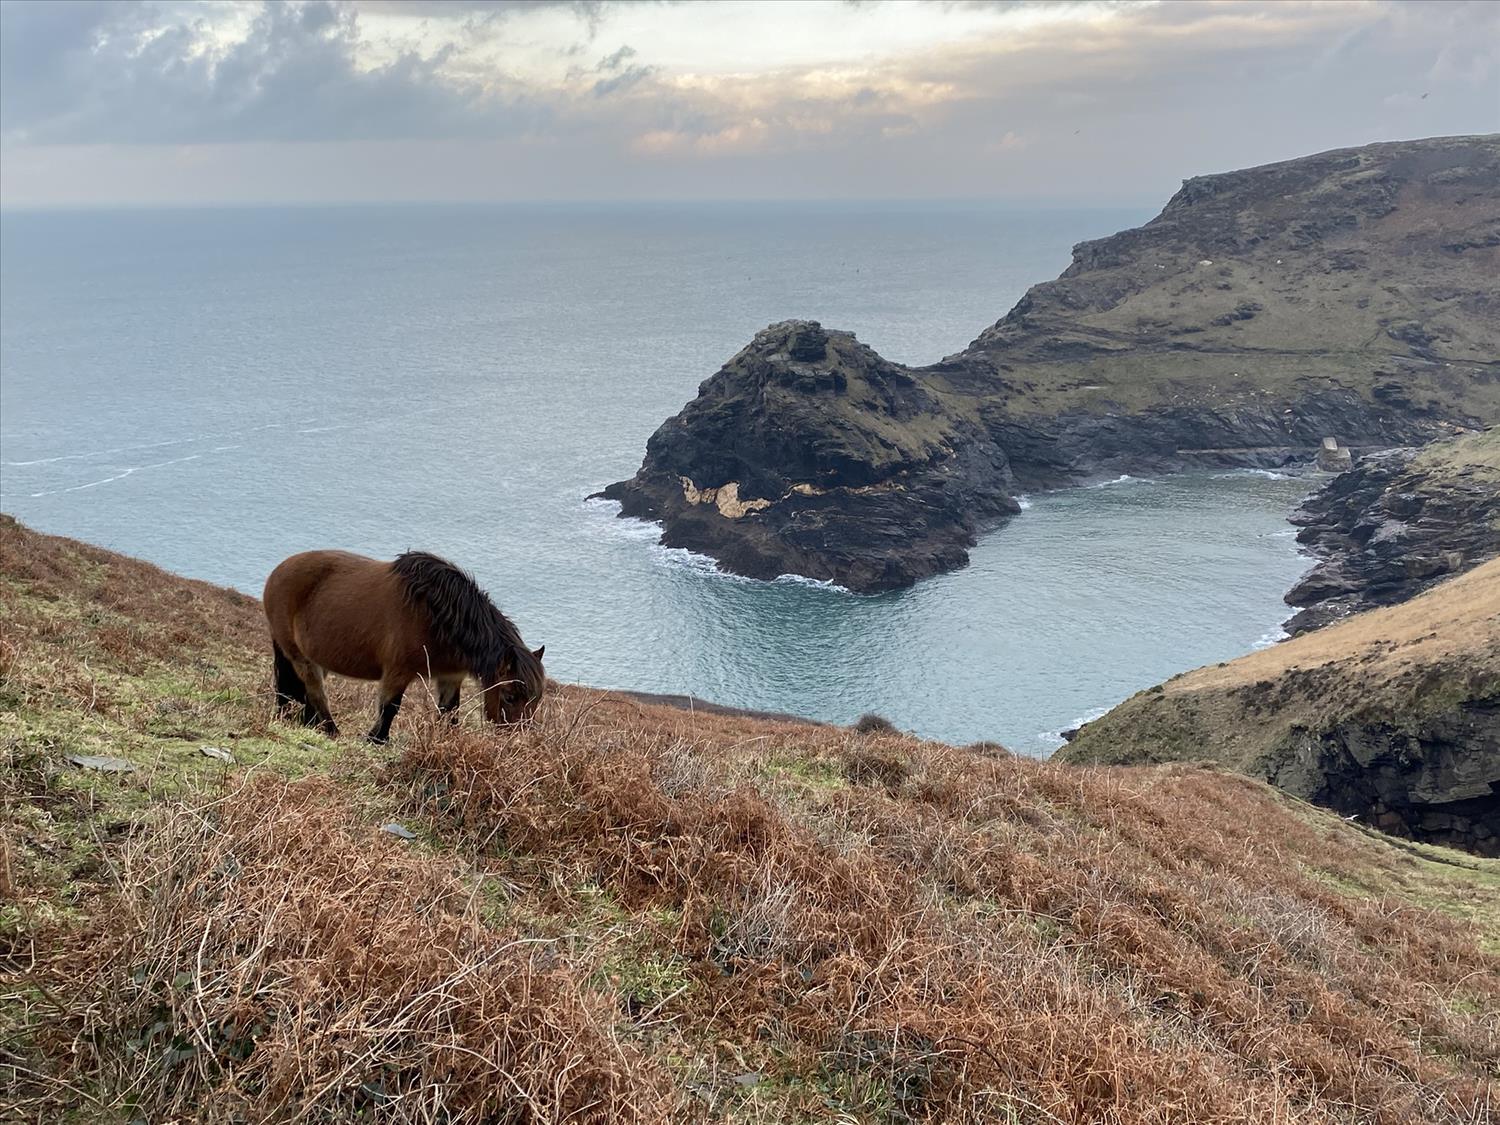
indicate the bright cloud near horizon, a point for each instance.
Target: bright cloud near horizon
{"x":131,"y":102}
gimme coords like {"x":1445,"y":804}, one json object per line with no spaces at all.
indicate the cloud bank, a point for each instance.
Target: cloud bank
{"x":142,"y":101}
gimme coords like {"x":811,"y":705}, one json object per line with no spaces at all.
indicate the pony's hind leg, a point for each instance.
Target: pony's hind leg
{"x":290,"y":690}
{"x":391,"y":690}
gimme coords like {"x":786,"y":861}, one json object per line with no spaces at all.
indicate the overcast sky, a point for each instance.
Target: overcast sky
{"x":107,"y":102}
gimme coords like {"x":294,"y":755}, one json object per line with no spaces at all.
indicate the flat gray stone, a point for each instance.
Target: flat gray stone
{"x":102,"y":763}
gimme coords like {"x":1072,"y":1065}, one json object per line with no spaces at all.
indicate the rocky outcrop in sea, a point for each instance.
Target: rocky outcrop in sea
{"x":808,"y":453}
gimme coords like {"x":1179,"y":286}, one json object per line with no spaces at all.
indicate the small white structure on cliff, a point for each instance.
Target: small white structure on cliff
{"x":1333,"y":457}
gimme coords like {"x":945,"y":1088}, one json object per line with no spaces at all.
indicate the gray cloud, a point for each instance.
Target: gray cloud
{"x":616,"y":60}
{"x":621,"y":73}
{"x":1107,"y":109}
{"x":137,"y":72}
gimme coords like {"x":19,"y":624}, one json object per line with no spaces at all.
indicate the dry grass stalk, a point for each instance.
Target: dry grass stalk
{"x":279,"y":958}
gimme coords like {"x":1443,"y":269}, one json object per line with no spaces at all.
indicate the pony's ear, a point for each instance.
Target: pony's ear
{"x":538,"y":652}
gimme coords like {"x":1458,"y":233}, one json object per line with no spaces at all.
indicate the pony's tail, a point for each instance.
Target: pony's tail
{"x":289,"y":686}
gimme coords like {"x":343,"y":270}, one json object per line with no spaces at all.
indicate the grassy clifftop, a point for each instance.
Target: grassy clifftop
{"x":1367,"y":269}
{"x":633,"y":913}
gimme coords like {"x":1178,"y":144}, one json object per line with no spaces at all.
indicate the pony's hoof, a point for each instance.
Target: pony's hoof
{"x":377,"y":739}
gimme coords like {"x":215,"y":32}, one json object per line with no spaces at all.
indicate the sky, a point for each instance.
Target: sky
{"x":162,"y":102}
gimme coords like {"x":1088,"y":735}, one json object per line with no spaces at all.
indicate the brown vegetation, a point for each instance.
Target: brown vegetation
{"x":634,"y":913}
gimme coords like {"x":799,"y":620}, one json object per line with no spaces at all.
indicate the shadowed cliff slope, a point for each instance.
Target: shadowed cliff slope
{"x":1397,"y":524}
{"x":1350,"y":294}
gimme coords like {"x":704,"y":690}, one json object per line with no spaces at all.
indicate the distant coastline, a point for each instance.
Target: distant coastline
{"x":1189,"y":342}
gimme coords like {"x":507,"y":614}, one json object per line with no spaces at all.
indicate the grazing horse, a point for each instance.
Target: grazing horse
{"x":331,"y":611}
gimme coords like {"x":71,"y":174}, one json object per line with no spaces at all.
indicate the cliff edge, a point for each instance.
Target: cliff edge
{"x":1392,"y":717}
{"x":1397,"y":524}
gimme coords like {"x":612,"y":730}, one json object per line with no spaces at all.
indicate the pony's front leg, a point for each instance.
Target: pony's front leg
{"x":316,"y":714}
{"x":448,"y":692}
{"x":391,"y":691}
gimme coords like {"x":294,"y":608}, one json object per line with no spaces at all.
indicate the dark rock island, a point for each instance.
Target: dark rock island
{"x":1351,"y":294}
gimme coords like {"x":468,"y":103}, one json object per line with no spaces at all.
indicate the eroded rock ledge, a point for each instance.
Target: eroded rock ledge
{"x":1397,"y":524}
{"x":1349,"y":294}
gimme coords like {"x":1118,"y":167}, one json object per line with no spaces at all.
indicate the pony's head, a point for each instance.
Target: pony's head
{"x":517,"y":687}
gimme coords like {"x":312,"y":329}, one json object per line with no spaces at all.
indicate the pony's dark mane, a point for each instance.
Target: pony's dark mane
{"x":464,"y":619}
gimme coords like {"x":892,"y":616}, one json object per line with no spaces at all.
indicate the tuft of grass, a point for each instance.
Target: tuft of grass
{"x":874,"y":724}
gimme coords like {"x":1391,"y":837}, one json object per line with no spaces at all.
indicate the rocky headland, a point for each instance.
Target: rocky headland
{"x":1349,"y":294}
{"x":1391,"y":717}
{"x":1397,"y":524}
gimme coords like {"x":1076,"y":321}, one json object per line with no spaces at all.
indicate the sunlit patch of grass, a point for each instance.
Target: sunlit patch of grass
{"x":804,"y":775}
{"x":644,"y":979}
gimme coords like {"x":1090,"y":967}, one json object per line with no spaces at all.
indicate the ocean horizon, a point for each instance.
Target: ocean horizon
{"x":213,"y":389}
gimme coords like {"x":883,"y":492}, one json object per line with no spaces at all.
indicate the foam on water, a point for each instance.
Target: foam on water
{"x":90,"y":454}
{"x":121,"y":475}
{"x":1271,"y":638}
{"x":1123,"y":478}
{"x":1052,"y":739}
{"x":814,"y":583}
{"x":649,"y":532}
{"x":1268,"y":474}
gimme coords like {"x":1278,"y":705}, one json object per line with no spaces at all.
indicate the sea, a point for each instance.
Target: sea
{"x":215,"y":389}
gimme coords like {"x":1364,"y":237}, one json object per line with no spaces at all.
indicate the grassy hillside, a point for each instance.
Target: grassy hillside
{"x":1366,"y":269}
{"x":1384,"y":664}
{"x":636,"y":913}
{"x":1472,"y":458}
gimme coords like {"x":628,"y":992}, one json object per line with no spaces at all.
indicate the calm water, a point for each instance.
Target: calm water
{"x":214,"y":390}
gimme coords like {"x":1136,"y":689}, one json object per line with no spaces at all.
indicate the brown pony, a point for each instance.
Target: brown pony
{"x":331,"y":611}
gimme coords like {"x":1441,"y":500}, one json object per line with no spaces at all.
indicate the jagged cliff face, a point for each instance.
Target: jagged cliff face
{"x":1350,"y":294}
{"x":1391,"y":717}
{"x":1396,"y":525}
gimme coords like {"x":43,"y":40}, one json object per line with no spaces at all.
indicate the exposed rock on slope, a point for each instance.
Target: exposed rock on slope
{"x":1349,"y":294}
{"x":1396,"y":525}
{"x":1392,"y":716}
